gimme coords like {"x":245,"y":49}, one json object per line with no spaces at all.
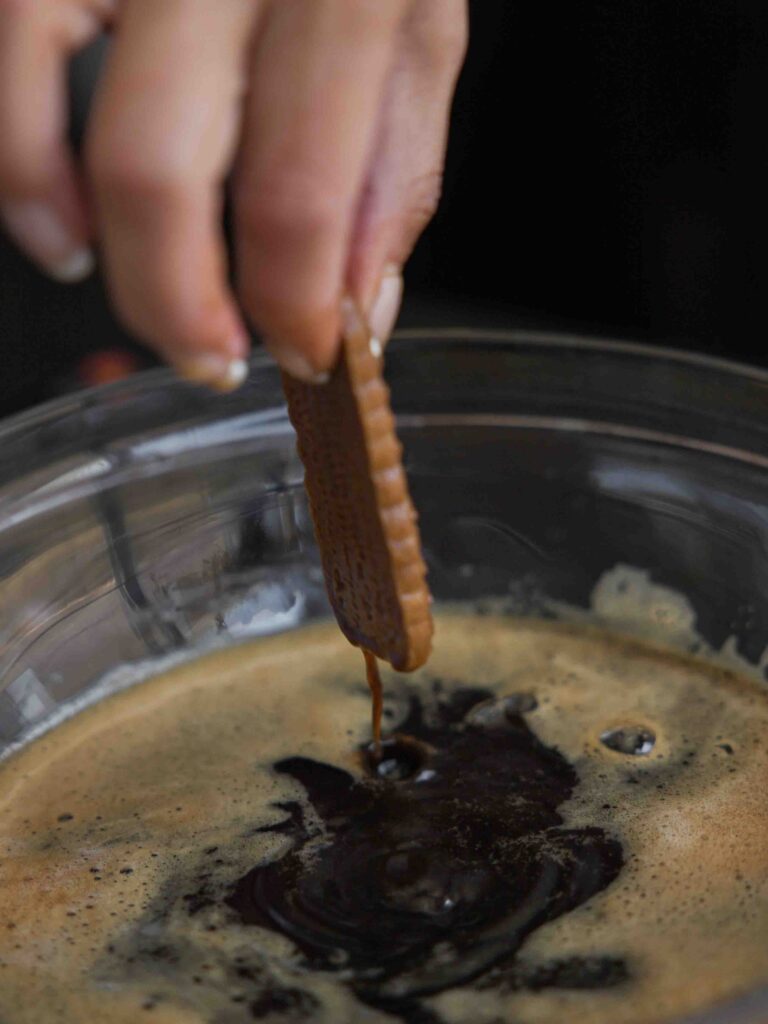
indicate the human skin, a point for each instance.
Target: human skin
{"x":325,"y":119}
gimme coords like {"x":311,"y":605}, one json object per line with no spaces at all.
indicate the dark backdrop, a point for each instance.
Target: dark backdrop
{"x":606,"y":173}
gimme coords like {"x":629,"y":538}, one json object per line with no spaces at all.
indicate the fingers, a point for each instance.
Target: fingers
{"x":319,"y":74}
{"x":403,"y":183}
{"x":41,"y":200}
{"x":161,"y":139}
{"x":339,"y":163}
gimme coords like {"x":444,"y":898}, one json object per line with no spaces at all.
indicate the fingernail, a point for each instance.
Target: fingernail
{"x":218,"y":372}
{"x":75,"y":267}
{"x":39,"y":231}
{"x":296,"y":365}
{"x":386,"y":305}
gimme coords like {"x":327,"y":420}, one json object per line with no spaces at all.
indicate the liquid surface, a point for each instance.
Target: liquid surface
{"x":559,"y":825}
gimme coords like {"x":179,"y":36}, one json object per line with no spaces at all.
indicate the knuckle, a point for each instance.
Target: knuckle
{"x":120,"y":172}
{"x":289,"y":209}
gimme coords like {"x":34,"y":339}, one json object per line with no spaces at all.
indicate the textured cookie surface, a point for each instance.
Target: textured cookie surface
{"x":364,"y":520}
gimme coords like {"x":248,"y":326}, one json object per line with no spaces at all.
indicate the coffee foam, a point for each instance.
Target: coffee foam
{"x":627,"y":600}
{"x":168,"y":783}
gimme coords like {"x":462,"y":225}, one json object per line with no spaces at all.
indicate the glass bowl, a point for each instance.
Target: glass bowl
{"x":151,"y":519}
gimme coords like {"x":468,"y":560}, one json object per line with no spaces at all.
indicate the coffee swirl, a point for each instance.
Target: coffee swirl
{"x":426,"y":878}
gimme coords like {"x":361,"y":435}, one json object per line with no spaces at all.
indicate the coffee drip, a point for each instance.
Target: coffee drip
{"x":377,"y":695}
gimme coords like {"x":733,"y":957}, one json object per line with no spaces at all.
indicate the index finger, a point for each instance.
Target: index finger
{"x":316,"y":88}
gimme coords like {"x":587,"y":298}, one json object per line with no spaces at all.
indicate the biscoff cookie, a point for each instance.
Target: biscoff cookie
{"x":365,"y":522}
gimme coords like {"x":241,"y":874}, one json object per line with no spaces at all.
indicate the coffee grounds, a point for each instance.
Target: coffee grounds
{"x":434,"y":866}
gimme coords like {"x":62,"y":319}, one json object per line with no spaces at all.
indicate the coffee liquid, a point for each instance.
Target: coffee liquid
{"x":557,"y":825}
{"x":437,"y":863}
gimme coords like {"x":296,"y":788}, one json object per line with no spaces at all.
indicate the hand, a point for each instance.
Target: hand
{"x":326,"y":118}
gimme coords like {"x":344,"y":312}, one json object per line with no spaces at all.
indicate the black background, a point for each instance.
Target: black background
{"x":606,"y":174}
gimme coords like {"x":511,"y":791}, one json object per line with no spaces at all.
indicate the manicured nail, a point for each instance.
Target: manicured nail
{"x":386,"y":306}
{"x":39,"y":231}
{"x":296,"y":365}
{"x":218,"y":372}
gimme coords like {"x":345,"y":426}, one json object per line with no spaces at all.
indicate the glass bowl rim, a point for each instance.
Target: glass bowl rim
{"x":148,"y":380}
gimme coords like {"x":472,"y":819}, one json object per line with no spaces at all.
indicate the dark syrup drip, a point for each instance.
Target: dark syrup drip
{"x":377,"y":695}
{"x":436,"y":864}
